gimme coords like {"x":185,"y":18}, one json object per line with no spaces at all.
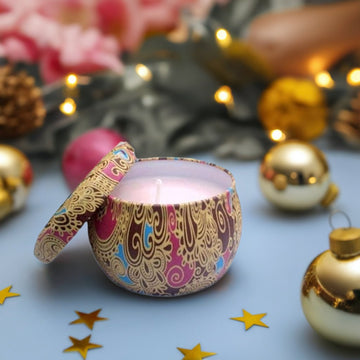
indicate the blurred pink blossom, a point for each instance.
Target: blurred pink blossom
{"x":33,"y":37}
{"x":82,"y":35}
{"x":80,"y":52}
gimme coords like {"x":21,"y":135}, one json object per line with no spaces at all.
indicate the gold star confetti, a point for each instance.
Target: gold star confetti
{"x":195,"y":353}
{"x":5,"y":293}
{"x":88,"y":318}
{"x":250,"y":320}
{"x":82,"y":346}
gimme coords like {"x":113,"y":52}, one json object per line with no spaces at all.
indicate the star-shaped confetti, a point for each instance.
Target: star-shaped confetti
{"x":195,"y":353}
{"x":88,"y":318}
{"x":5,"y":293}
{"x":82,"y":346}
{"x":250,"y":320}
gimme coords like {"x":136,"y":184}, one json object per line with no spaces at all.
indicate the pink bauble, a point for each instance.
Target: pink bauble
{"x":83,"y":153}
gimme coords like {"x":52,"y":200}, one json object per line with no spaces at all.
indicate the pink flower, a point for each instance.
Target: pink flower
{"x":160,"y":15}
{"x":81,"y":35}
{"x":18,"y":47}
{"x":122,"y":19}
{"x":129,"y":21}
{"x":31,"y":36}
{"x":80,"y":52}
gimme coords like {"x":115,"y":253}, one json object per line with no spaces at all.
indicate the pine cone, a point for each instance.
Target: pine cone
{"x":21,"y":106}
{"x":347,"y":123}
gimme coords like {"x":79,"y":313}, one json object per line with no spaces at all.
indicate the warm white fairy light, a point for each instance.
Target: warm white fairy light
{"x":353,"y":77}
{"x":324,"y":79}
{"x":71,"y":80}
{"x":277,"y":135}
{"x":143,"y":71}
{"x":223,"y":95}
{"x":68,"y":107}
{"x":223,"y":38}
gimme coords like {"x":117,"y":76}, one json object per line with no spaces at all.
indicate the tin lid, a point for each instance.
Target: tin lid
{"x":86,"y":199}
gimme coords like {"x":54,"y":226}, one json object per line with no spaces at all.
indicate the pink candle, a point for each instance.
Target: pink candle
{"x":159,"y":226}
{"x":171,"y":181}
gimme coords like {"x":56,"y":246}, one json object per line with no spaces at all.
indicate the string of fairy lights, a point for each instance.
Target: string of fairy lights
{"x":223,"y":95}
{"x":68,"y":106}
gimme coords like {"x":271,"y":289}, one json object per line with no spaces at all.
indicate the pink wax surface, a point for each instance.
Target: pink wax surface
{"x":171,"y":182}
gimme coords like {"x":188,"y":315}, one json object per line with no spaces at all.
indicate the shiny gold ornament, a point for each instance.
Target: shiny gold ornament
{"x":294,"y":175}
{"x":330,"y":295}
{"x":15,"y":180}
{"x":21,"y":105}
{"x":6,"y":203}
{"x":295,"y":106}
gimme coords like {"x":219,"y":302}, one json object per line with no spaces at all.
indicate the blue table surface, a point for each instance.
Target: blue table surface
{"x":265,"y":277}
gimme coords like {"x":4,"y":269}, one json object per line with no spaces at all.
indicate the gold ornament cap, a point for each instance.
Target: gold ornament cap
{"x":330,"y":196}
{"x":345,"y":242}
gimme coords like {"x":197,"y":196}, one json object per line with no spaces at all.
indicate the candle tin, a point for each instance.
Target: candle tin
{"x":148,"y":248}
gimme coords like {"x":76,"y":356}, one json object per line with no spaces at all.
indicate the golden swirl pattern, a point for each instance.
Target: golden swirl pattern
{"x":167,"y":250}
{"x":85,"y":200}
{"x":159,"y":250}
{"x":49,"y":248}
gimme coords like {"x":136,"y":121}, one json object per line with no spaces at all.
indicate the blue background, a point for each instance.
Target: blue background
{"x":265,"y":277}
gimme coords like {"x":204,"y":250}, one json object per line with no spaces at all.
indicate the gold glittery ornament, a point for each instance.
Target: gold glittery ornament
{"x":330,"y":295}
{"x":294,"y":175}
{"x":15,"y":180}
{"x":6,"y":202}
{"x":295,"y":106}
{"x":347,"y":122}
{"x":21,"y":106}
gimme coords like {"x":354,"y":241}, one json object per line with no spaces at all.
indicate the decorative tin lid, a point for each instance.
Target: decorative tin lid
{"x":84,"y":202}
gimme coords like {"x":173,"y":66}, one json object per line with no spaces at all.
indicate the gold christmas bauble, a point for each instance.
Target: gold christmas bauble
{"x":21,"y":105}
{"x":15,"y":180}
{"x":297,"y":107}
{"x":330,"y":295}
{"x":294,"y":175}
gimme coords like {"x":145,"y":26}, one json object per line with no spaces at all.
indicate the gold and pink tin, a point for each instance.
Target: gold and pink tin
{"x":159,"y":226}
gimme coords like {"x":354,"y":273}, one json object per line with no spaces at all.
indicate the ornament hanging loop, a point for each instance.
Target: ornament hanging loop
{"x":336,"y":211}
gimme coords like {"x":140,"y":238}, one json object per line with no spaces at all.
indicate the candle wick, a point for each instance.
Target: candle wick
{"x":158,"y":188}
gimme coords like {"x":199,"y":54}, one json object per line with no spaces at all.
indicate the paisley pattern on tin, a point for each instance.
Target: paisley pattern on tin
{"x":168,"y":250}
{"x":83,"y":202}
